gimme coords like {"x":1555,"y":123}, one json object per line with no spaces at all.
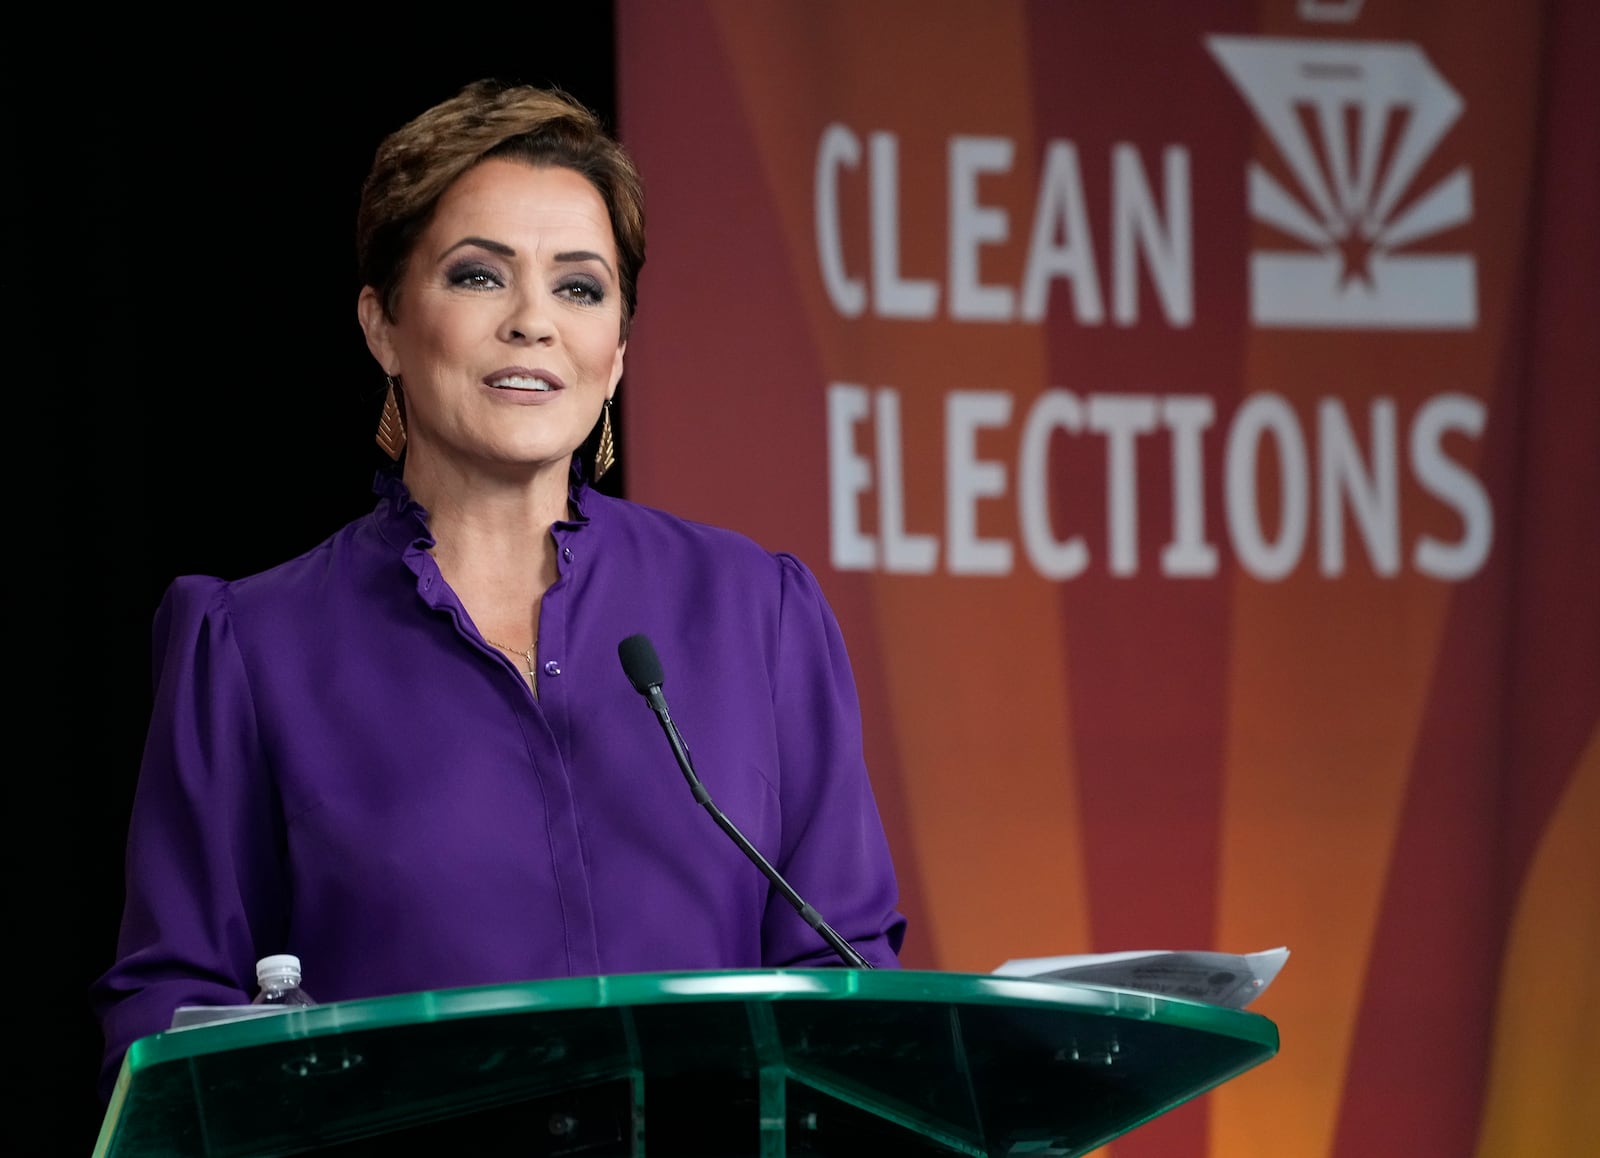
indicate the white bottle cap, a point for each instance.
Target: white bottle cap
{"x":276,"y":964}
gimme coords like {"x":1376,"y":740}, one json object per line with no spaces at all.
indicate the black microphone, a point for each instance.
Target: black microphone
{"x":643,"y":667}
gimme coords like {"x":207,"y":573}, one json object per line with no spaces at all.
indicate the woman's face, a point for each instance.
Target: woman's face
{"x":507,"y":329}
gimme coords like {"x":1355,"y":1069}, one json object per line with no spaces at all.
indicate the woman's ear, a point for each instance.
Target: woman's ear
{"x":378,"y":329}
{"x":616,"y":369}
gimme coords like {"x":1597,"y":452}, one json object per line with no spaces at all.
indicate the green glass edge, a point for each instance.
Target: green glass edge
{"x":619,"y":990}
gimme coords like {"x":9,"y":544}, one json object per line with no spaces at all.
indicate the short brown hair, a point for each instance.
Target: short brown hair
{"x":416,"y":163}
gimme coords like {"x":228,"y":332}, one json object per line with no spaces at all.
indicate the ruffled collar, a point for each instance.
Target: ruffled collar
{"x":404,"y":520}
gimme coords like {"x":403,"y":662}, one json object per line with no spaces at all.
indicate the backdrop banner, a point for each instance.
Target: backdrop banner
{"x":1193,"y":414}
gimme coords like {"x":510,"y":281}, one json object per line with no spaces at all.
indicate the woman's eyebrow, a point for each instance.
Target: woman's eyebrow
{"x":499,"y":247}
{"x":576,"y":255}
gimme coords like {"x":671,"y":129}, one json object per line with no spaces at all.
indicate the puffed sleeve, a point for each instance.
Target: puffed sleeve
{"x":203,"y":872}
{"x":833,"y":848}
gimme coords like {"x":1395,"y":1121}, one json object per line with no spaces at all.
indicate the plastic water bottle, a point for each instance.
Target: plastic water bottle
{"x":279,"y":979}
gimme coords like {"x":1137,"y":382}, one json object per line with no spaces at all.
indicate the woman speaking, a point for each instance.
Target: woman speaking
{"x":410,"y":755}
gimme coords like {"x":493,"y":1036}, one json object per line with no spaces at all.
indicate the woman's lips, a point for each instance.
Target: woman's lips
{"x":522,"y":379}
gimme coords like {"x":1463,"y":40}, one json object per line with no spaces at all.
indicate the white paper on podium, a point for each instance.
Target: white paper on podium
{"x":1231,"y":980}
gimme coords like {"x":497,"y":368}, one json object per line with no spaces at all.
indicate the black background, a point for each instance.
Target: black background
{"x":193,"y":394}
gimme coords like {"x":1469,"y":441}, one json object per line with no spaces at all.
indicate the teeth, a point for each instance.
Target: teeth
{"x":521,"y":383}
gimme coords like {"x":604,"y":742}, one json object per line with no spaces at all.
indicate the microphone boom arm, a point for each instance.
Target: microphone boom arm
{"x":846,"y":951}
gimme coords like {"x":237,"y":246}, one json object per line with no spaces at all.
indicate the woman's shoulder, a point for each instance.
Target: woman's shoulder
{"x":626,"y":523}
{"x":710,"y":564}
{"x":298,"y":581}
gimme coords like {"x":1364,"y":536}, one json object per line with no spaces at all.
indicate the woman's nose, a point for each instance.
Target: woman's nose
{"x":528,"y":320}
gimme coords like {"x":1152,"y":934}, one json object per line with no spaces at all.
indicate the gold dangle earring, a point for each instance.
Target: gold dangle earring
{"x":391,"y":425}
{"x":605,"y":453}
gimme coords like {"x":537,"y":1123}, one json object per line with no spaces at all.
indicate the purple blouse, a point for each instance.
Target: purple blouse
{"x":338,"y":766}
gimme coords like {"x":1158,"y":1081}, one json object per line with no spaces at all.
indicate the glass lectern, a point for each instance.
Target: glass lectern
{"x":759,"y":1063}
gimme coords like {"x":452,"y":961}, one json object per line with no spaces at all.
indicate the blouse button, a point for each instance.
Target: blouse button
{"x":566,"y":553}
{"x":552,"y":668}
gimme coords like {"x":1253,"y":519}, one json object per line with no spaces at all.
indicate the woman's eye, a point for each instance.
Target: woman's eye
{"x":582,"y":289}
{"x":475,"y":277}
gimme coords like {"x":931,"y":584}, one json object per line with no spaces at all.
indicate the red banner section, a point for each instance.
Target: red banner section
{"x":1193,"y":414}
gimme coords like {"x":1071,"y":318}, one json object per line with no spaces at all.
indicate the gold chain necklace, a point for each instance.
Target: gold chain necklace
{"x":526,"y":653}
